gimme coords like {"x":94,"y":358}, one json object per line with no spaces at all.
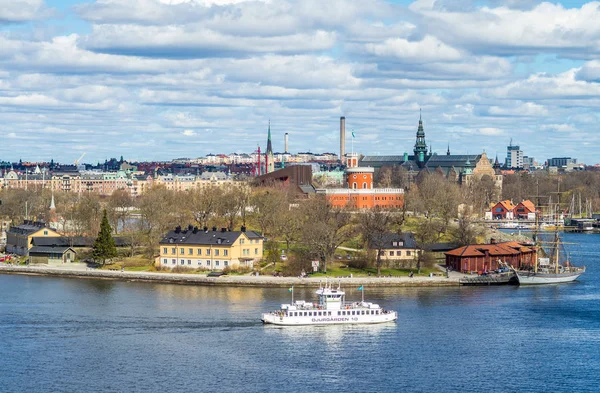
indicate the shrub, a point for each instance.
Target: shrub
{"x":182,"y":269}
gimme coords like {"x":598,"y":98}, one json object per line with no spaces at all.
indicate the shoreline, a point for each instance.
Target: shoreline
{"x":231,"y":281}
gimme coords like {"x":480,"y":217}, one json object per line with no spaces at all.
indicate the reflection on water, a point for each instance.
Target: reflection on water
{"x":131,"y":336}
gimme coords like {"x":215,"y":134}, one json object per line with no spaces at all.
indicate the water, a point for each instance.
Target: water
{"x":68,"y":335}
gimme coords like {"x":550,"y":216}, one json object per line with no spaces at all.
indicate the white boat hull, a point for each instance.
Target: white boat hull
{"x":270,"y":318}
{"x":531,"y":278}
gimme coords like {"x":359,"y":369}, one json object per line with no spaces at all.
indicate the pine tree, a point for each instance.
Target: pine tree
{"x":104,"y":246}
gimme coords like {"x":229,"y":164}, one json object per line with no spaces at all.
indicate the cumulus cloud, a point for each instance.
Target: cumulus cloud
{"x":16,"y":11}
{"x":145,"y":73}
{"x":429,"y":49}
{"x":547,"y":27}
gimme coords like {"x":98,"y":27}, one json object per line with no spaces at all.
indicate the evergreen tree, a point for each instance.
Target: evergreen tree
{"x":104,"y":246}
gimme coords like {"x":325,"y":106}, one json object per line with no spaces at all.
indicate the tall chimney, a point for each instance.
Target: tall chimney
{"x":287,"y":140}
{"x":342,"y":138}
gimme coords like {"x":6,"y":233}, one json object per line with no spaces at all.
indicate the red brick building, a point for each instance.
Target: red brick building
{"x":360,"y":194}
{"x":485,"y":257}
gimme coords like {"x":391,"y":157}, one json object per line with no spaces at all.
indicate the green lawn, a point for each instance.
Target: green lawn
{"x":339,"y":271}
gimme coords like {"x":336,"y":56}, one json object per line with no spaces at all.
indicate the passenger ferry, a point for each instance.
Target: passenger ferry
{"x":332,"y":309}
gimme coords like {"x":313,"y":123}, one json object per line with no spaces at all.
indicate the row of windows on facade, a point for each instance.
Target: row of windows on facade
{"x":396,"y":253}
{"x":189,"y":262}
{"x":345,"y":198}
{"x":217,"y":252}
{"x":355,"y":186}
{"x":328,"y":313}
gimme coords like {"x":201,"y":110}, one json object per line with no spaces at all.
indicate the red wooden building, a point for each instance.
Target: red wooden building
{"x":485,"y":257}
{"x":523,"y":209}
{"x":503,"y":210}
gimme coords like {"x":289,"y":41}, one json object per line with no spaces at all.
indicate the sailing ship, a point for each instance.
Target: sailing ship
{"x":332,"y":309}
{"x":550,"y":268}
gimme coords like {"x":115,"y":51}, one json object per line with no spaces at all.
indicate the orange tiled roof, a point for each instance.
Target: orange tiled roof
{"x":507,"y":205}
{"x":529,"y":205}
{"x":478,"y":250}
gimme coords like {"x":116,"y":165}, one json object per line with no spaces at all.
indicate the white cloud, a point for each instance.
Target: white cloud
{"x":149,"y":72}
{"x":429,"y":49}
{"x":14,"y":11}
{"x":521,"y":109}
{"x":546,"y":28}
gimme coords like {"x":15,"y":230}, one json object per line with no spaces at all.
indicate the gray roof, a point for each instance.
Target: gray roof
{"x":27,"y":228}
{"x":49,"y":250}
{"x":441,"y":247}
{"x":216,"y":238}
{"x":406,"y":240}
{"x":75,"y":241}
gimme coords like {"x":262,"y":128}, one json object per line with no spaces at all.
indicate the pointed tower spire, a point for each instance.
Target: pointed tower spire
{"x":269,"y":146}
{"x":448,"y":152}
{"x":420,"y":146}
{"x":52,"y":204}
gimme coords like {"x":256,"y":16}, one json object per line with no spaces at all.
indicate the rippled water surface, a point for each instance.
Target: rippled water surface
{"x":68,"y":335}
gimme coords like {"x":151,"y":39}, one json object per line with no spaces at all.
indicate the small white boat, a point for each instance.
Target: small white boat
{"x":331,"y":309}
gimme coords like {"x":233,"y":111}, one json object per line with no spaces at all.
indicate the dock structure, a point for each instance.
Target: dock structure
{"x":490,"y":279}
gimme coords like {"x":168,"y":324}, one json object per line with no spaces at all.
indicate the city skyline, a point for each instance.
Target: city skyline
{"x":163,"y":79}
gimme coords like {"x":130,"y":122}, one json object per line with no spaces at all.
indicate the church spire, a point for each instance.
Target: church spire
{"x":420,"y":146}
{"x":52,"y":204}
{"x":448,"y":152}
{"x":269,"y":146}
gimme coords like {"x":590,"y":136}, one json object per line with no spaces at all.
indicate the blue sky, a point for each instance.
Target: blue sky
{"x":160,"y":79}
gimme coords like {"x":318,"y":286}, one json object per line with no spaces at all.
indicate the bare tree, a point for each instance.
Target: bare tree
{"x":157,"y":206}
{"x":118,"y":207}
{"x":290,"y":226}
{"x":466,"y":231}
{"x":375,"y":226}
{"x":203,"y":203}
{"x":269,"y":204}
{"x":326,"y":229}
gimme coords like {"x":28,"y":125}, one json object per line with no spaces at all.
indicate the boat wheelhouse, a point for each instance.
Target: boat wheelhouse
{"x":332,"y":309}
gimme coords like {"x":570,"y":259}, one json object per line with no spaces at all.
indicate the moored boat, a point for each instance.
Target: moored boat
{"x":550,"y":270}
{"x":332,"y":309}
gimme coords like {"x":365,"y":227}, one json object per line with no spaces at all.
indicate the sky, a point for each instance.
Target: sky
{"x":164,"y":79}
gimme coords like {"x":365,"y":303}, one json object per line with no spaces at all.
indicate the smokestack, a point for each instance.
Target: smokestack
{"x":342,"y":138}
{"x":286,"y":140}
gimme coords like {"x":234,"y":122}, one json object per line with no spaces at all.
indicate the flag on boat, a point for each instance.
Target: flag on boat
{"x":360,"y":288}
{"x":290,"y":289}
{"x":353,"y":136}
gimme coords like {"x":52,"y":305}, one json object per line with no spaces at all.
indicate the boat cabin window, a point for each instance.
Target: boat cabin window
{"x":329,"y":313}
{"x":353,"y":312}
{"x":363,"y":312}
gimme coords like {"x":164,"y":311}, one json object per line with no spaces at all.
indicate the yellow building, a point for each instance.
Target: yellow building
{"x":18,"y":238}
{"x":210,"y":249}
{"x":397,"y":248}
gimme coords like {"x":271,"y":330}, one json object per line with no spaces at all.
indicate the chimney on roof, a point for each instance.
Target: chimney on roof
{"x":195,"y":230}
{"x":223,"y":230}
{"x":214,"y":229}
{"x":177,"y":229}
{"x":493,"y":241}
{"x":205,"y":229}
{"x":243,"y":228}
{"x":190,"y":227}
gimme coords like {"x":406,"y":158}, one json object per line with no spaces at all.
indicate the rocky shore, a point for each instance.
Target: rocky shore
{"x":245,"y":281}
